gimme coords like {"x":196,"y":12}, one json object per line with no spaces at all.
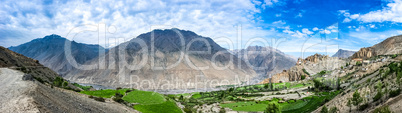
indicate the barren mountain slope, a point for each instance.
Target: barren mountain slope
{"x":265,"y":60}
{"x":50,"y":52}
{"x":164,"y":58}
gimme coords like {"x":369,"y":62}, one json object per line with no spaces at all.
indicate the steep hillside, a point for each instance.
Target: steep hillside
{"x":17,"y":61}
{"x":389,"y":46}
{"x":309,"y":66}
{"x":164,"y":58}
{"x":50,"y":52}
{"x":343,"y":53}
{"x":265,"y":60}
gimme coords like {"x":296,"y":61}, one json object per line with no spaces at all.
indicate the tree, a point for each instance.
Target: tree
{"x":349,"y":104}
{"x":324,"y":109}
{"x":222,"y":110}
{"x":333,"y":110}
{"x":266,"y":86}
{"x":357,"y":99}
{"x":181,"y":97}
{"x":358,"y":63}
{"x":272,"y":108}
{"x":303,"y":77}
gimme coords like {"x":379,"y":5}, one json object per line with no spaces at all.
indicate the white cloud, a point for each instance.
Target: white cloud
{"x":346,"y":20}
{"x":278,"y":15}
{"x":270,"y":3}
{"x":354,"y":16}
{"x":22,"y":21}
{"x":315,"y":29}
{"x":391,"y":12}
{"x":306,"y":31}
{"x":299,"y":15}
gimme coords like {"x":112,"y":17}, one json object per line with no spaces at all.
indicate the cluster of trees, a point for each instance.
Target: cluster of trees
{"x":325,"y":85}
{"x":272,"y":108}
{"x":332,"y":110}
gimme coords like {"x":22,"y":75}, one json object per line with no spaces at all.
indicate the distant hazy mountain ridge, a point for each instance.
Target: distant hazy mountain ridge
{"x":50,"y":52}
{"x":265,"y":60}
{"x":343,"y":53}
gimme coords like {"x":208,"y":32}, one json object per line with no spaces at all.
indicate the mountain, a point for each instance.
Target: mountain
{"x":172,"y":55}
{"x":343,"y":53}
{"x":50,"y":52}
{"x":265,"y":60}
{"x":389,"y":46}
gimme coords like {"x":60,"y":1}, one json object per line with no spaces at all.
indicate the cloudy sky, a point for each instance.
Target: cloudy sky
{"x":292,"y":26}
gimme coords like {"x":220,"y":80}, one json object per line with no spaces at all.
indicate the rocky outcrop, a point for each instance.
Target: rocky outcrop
{"x":315,"y":58}
{"x":293,"y":74}
{"x":343,"y":53}
{"x":365,"y":53}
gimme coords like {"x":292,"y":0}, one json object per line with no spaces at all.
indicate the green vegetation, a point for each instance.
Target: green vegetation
{"x":358,"y":63}
{"x":272,"y":107}
{"x":356,"y":99}
{"x":324,"y":109}
{"x":85,"y":88}
{"x":303,"y":77}
{"x":383,"y":109}
{"x":333,"y":110}
{"x":304,"y":70}
{"x":165,"y":107}
{"x":106,"y":93}
{"x":144,"y":97}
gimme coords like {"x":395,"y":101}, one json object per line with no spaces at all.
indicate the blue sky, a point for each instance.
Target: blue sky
{"x":292,"y":26}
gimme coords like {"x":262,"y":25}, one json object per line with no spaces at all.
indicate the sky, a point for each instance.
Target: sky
{"x":292,"y":26}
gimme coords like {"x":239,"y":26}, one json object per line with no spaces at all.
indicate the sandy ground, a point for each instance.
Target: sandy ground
{"x":31,"y":96}
{"x":14,"y":92}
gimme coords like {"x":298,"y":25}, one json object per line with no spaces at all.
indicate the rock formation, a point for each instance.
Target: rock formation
{"x":365,"y":53}
{"x":315,"y":58}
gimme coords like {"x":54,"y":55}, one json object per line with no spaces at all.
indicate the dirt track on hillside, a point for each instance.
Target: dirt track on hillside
{"x":31,"y":96}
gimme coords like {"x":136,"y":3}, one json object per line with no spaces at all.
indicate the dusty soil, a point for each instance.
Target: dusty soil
{"x":31,"y":96}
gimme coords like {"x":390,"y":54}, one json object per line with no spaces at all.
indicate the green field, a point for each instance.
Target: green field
{"x":144,"y":97}
{"x":106,"y":93}
{"x":299,"y":106}
{"x":165,"y":107}
{"x":246,"y":106}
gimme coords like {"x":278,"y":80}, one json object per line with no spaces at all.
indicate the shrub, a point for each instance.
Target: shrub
{"x":324,"y":109}
{"x":304,"y":70}
{"x":100,"y":99}
{"x":272,"y":108}
{"x":363,"y":107}
{"x":303,"y":77}
{"x":395,"y":93}
{"x":377,"y":96}
{"x":333,"y":110}
{"x":384,"y":109}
